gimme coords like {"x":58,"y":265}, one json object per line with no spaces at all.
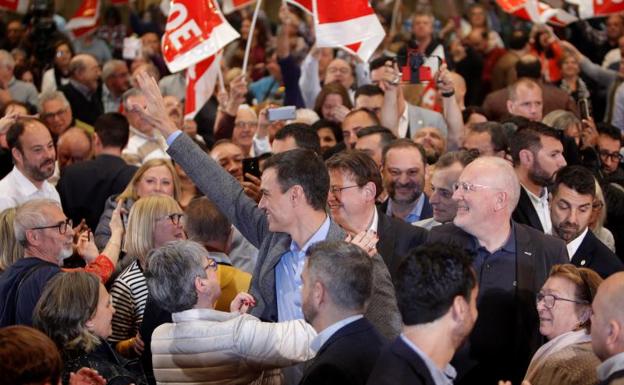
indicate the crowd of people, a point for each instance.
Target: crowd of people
{"x":466,"y":228}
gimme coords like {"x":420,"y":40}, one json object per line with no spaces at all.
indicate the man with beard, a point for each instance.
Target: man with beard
{"x":337,"y":284}
{"x":511,"y":260}
{"x":571,"y":209}
{"x":33,"y":154}
{"x":403,"y":171}
{"x":46,"y":234}
{"x":437,"y":296}
{"x":432,"y":141}
{"x":537,"y":154}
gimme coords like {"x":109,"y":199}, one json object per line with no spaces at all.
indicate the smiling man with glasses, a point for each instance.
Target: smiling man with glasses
{"x":511,"y":261}
{"x":608,"y":147}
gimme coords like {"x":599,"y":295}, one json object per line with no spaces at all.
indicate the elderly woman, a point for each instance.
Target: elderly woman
{"x":565,"y":121}
{"x":75,"y":311}
{"x":564,"y":308}
{"x":153,"y":221}
{"x":204,"y":345}
{"x":154,"y":177}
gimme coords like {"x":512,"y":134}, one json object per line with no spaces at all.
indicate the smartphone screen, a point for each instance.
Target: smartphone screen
{"x":251,"y":166}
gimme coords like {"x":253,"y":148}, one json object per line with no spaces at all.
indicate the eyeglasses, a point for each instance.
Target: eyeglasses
{"x":174,"y":218}
{"x":337,"y":190}
{"x":61,"y":226}
{"x":212,"y":265}
{"x":467,"y":186}
{"x":246,"y":124}
{"x":474,"y":152}
{"x":50,"y":115}
{"x":614,"y":156}
{"x":335,"y":70}
{"x":550,"y":299}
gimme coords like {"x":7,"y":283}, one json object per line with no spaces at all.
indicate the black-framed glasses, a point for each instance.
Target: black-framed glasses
{"x":175,"y":218}
{"x":550,"y":299}
{"x":337,"y":190}
{"x":212,"y":265}
{"x":61,"y":226}
{"x":614,"y":156}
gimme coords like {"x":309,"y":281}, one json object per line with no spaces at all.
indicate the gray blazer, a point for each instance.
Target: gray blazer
{"x":227,"y":193}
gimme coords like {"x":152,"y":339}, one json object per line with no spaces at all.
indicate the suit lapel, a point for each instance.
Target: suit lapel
{"x":427,"y":210}
{"x":525,"y":260}
{"x":387,"y":237}
{"x":585,"y":253}
{"x":413,"y":360}
{"x":526,"y":206}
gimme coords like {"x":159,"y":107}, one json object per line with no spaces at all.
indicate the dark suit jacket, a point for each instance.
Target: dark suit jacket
{"x":399,"y":364}
{"x":85,"y":186}
{"x":426,"y":213}
{"x":506,"y":333}
{"x":396,"y":239}
{"x":228,"y":195}
{"x":594,"y":254}
{"x":525,"y":212}
{"x":83,"y":109}
{"x":347,"y":357}
{"x":495,"y":104}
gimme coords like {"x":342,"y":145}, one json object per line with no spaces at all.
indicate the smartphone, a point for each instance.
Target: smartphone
{"x":251,"y":166}
{"x":584,"y":108}
{"x":281,"y":113}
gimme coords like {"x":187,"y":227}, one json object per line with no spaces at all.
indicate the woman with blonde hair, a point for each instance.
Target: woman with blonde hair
{"x":564,"y":309}
{"x":10,"y":249}
{"x":153,"y":221}
{"x":596,"y":221}
{"x":154,"y":177}
{"x":75,"y":311}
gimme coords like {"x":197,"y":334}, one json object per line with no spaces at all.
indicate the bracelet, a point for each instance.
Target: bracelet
{"x":447,"y":94}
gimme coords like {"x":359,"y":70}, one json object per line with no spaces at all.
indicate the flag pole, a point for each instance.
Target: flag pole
{"x":252,"y":28}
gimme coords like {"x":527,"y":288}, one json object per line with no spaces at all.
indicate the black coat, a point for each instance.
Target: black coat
{"x":398,"y":364}
{"x":83,"y":109}
{"x":347,"y":357}
{"x":506,"y":333}
{"x":594,"y":254}
{"x":84,"y":187}
{"x":396,"y":239}
{"x":426,"y":213}
{"x":525,"y":212}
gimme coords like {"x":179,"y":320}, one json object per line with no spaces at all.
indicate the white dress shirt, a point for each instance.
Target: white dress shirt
{"x":16,"y":189}
{"x":540,"y":203}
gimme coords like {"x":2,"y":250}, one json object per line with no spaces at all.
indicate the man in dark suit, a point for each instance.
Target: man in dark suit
{"x":437,"y":296}
{"x":512,"y":261}
{"x":537,"y":154}
{"x":84,"y":187}
{"x":355,"y":184}
{"x":403,"y":170}
{"x":337,"y":282}
{"x":571,"y":210}
{"x":288,"y":220}
{"x":83,"y":90}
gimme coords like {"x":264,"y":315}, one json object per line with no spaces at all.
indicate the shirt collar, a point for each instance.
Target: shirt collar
{"x":24,"y":185}
{"x":537,"y":199}
{"x":136,"y":132}
{"x":320,"y":340}
{"x":416,"y":210}
{"x":509,"y":246}
{"x":84,"y":90}
{"x":574,"y":244}
{"x":445,"y":376}
{"x":375,"y":222}
{"x":318,"y":236}
{"x":610,"y":366}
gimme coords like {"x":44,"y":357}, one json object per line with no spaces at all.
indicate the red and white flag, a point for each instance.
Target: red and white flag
{"x":19,"y":6}
{"x":200,"y":84}
{"x":230,"y":6}
{"x":352,"y":25}
{"x":537,"y":12}
{"x":594,"y":8}
{"x":196,"y":30}
{"x":85,"y":19}
{"x":306,"y":5}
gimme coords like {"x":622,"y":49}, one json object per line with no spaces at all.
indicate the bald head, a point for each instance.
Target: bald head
{"x":74,"y":145}
{"x":607,"y":320}
{"x":85,"y":70}
{"x":500,"y":174}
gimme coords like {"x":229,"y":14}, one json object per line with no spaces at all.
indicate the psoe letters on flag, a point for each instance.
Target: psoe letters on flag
{"x":200,"y":84}
{"x":352,"y":25}
{"x":196,"y":29}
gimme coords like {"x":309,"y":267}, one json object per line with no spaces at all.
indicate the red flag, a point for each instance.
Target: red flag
{"x":85,"y":19}
{"x":230,"y":6}
{"x":349,"y":24}
{"x":19,"y":6}
{"x":537,"y":12}
{"x":196,"y":29}
{"x":306,"y":5}
{"x":200,"y":83}
{"x":593,"y":8}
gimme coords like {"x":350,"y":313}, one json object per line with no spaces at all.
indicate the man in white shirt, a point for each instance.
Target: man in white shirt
{"x":571,"y":210}
{"x":145,"y":143}
{"x":34,"y":155}
{"x":537,"y":154}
